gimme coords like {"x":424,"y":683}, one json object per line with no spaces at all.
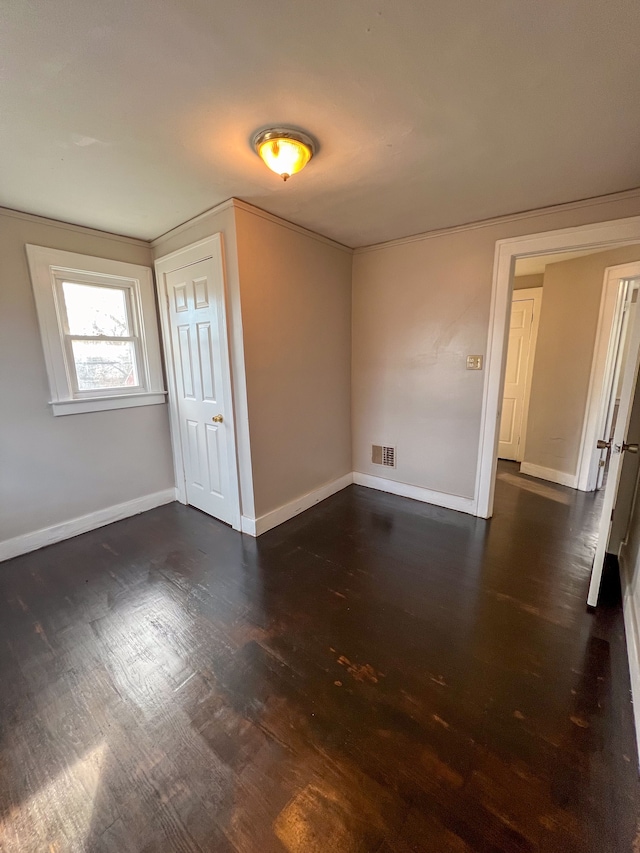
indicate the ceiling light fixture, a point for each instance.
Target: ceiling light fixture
{"x":284,"y":151}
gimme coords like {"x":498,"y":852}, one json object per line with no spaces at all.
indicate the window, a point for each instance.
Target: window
{"x":99,"y":331}
{"x":101,"y":335}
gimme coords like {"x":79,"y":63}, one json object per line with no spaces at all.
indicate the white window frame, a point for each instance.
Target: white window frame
{"x":49,"y":268}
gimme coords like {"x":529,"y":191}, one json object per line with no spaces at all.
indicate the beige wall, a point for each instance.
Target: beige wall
{"x":296,"y":316}
{"x":56,"y":469}
{"x":564,"y":353}
{"x":419,"y":308}
{"x":520,"y":282}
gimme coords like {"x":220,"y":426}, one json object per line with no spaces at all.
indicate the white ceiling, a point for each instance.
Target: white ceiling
{"x":135,"y":116}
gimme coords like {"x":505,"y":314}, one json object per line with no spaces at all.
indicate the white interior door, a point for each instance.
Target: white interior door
{"x":515,"y":380}
{"x":618,"y":450}
{"x":202,"y":404}
{"x":614,"y":370}
{"x":628,"y":482}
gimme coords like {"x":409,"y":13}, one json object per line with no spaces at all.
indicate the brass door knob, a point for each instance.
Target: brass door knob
{"x":603,"y":445}
{"x":217,"y":419}
{"x":630,"y":448}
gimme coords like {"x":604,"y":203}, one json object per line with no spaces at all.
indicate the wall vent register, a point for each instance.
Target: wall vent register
{"x":383,"y":455}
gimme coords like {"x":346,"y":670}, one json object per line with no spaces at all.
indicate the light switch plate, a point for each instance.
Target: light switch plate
{"x":474,"y":362}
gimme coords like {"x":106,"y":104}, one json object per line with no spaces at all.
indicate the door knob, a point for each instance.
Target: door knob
{"x":217,"y":419}
{"x":630,"y":448}
{"x":604,"y":445}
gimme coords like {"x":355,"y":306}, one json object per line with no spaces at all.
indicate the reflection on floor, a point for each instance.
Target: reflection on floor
{"x":375,"y":675}
{"x":546,"y":490}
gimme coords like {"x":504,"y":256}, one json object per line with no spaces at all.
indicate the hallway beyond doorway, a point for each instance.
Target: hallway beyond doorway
{"x":376,"y":674}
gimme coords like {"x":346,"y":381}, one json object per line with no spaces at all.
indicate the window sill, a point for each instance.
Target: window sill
{"x":101,"y":404}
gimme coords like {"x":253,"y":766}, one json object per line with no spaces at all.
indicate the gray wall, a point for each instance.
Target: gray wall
{"x":418,"y":308}
{"x":55,"y":469}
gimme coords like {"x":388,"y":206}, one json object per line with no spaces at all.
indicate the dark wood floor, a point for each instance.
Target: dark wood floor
{"x":375,"y":675}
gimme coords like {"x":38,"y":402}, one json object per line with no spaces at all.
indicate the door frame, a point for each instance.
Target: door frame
{"x":601,"y":235}
{"x":203,"y":250}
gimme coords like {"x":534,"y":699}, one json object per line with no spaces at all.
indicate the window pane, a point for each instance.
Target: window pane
{"x":95,"y":310}
{"x":105,"y":364}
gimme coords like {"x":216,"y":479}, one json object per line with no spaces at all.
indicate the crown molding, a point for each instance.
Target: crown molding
{"x":498,"y":220}
{"x":285,"y":223}
{"x":292,"y":226}
{"x":71,"y":226}
{"x":183,"y":226}
{"x":255,"y":211}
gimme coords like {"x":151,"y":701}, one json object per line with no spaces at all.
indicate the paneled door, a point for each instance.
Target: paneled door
{"x":624,"y":441}
{"x":515,"y":380}
{"x":202,"y":404}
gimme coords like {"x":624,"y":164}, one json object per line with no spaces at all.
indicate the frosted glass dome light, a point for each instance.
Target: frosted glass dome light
{"x":283,"y":150}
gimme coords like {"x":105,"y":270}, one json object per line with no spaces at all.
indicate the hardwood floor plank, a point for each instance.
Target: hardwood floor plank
{"x":375,"y":675}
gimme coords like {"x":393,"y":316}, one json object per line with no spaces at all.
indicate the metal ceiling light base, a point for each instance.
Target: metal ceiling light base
{"x":284,"y":150}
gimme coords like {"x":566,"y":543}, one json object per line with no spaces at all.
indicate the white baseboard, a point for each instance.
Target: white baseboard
{"x":633,"y":644}
{"x":428,"y":496}
{"x":48,"y":535}
{"x":256,"y":526}
{"x":560,"y":477}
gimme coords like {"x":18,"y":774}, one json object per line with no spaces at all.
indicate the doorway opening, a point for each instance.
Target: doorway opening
{"x":599,"y":236}
{"x":558,"y":426}
{"x":602,"y":396}
{"x":569,"y":408}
